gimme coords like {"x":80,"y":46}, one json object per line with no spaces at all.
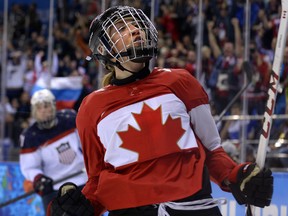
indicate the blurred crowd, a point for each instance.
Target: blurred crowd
{"x":222,"y":55}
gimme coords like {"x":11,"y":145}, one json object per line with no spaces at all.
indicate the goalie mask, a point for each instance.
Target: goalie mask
{"x":109,"y":30}
{"x":44,"y":109}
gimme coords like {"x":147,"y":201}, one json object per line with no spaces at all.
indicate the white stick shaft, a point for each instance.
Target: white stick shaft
{"x":272,"y":92}
{"x":274,"y":81}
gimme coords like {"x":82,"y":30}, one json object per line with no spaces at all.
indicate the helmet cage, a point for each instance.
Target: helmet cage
{"x":103,"y":45}
{"x":44,"y":96}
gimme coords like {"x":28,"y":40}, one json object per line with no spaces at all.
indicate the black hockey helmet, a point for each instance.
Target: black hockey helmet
{"x":104,"y":48}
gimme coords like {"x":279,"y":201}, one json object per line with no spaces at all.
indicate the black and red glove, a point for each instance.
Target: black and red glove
{"x":71,"y":202}
{"x":250,"y":185}
{"x":43,"y":185}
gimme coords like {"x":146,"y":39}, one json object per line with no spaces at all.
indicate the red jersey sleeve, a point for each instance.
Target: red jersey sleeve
{"x":220,"y":166}
{"x":92,"y":152}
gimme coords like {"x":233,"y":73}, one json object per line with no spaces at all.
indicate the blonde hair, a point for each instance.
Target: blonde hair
{"x":108,"y":77}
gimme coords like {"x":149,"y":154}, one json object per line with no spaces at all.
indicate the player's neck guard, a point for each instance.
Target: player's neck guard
{"x":134,"y":77}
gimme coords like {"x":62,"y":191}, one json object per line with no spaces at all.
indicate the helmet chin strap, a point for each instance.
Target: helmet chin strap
{"x":146,"y":53}
{"x":117,"y":63}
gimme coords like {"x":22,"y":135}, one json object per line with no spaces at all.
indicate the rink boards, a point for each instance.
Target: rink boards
{"x":11,"y":181}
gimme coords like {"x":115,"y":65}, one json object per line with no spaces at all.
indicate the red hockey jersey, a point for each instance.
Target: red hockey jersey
{"x":146,"y":142}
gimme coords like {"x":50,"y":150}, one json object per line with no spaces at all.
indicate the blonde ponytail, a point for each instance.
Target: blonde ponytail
{"x":107,"y":78}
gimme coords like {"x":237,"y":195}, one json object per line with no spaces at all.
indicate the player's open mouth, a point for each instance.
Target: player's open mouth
{"x":138,"y":40}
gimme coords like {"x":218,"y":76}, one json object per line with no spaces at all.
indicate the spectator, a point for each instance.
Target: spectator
{"x":224,"y":79}
{"x":207,"y":65}
{"x":33,"y":22}
{"x":231,"y":150}
{"x":42,"y":68}
{"x":30,"y":76}
{"x":232,"y":128}
{"x":16,"y":68}
{"x":17,"y":25}
{"x":223,"y":29}
{"x":257,"y":93}
{"x":168,"y":21}
{"x":190,"y":64}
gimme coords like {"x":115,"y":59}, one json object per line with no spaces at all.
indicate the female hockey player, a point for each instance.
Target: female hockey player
{"x":50,"y":148}
{"x":149,"y":140}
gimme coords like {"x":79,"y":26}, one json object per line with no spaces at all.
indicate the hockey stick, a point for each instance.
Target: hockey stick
{"x":272,"y":92}
{"x":247,"y":68}
{"x":33,"y":191}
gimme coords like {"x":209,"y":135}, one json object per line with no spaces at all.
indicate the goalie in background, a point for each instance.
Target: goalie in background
{"x":50,"y":148}
{"x":150,"y":143}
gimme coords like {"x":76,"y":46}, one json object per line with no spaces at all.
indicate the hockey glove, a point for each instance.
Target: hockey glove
{"x":250,"y":185}
{"x":71,"y":202}
{"x":43,"y":185}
